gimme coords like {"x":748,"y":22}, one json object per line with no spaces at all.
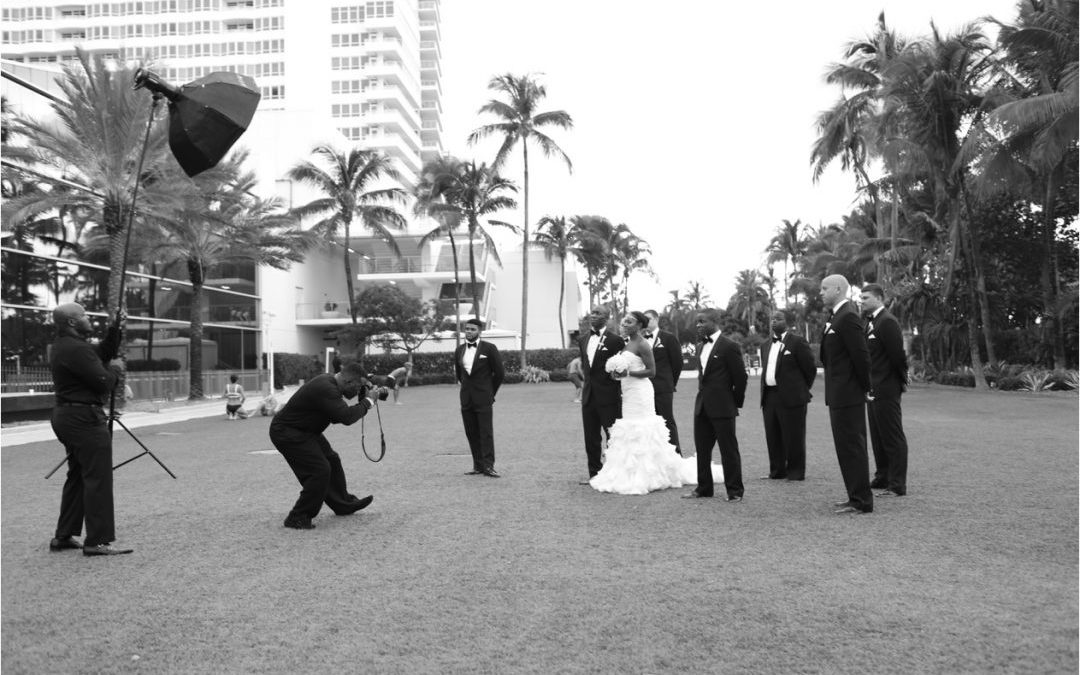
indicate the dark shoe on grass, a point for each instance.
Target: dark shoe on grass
{"x":696,"y":495}
{"x":878,"y":484}
{"x":846,"y":502}
{"x":299,"y":523}
{"x":104,"y":549}
{"x":888,"y":493}
{"x":358,"y":505}
{"x":491,"y":473}
{"x":63,"y":544}
{"x":474,"y":472}
{"x":850,"y":508}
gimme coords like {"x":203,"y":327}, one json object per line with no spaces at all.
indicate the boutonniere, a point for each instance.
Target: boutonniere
{"x":828,"y":326}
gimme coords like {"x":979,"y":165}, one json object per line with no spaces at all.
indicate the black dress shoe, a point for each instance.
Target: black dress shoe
{"x":299,"y":523}
{"x":796,"y":478}
{"x":491,"y":473}
{"x":846,"y":502}
{"x":352,"y":508}
{"x":104,"y":549}
{"x":696,"y":495}
{"x":63,"y":544}
{"x":878,"y":484}
{"x":850,"y":508}
{"x":888,"y":493}
{"x":474,"y":472}
{"x":735,"y":499}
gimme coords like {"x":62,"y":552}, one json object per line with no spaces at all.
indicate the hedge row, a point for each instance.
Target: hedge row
{"x":139,"y":365}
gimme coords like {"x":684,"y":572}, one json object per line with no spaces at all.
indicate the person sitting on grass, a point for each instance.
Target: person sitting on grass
{"x":234,"y":397}
{"x":401,"y":378}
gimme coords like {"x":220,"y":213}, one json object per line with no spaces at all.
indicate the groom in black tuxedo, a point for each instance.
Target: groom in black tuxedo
{"x":601,"y":395}
{"x":721,"y":391}
{"x":846,"y":358}
{"x":668,"y":357}
{"x":787,"y":374}
{"x":479,"y":370}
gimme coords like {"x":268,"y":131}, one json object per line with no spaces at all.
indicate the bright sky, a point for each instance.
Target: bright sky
{"x":693,"y":119}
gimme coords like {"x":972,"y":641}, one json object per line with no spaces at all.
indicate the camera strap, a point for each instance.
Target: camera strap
{"x":382,"y":437}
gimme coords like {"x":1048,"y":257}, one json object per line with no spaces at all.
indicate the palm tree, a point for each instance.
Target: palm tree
{"x":787,"y":245}
{"x":520,"y":122}
{"x":218,"y":222}
{"x":590,"y":235}
{"x":675,"y":311}
{"x":932,"y":90}
{"x":555,"y":237}
{"x":631,"y":254}
{"x":696,"y":296}
{"x":749,"y":297}
{"x":435,"y":177}
{"x":346,"y":180}
{"x":95,"y":142}
{"x":1040,"y":130}
{"x":473,"y":193}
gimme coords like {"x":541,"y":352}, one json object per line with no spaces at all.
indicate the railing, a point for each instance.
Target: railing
{"x":145,"y":385}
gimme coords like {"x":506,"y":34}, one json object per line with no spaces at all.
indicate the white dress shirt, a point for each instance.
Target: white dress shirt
{"x":706,"y":350}
{"x":774,"y":359}
{"x":469,"y":356}
{"x":594,"y":344}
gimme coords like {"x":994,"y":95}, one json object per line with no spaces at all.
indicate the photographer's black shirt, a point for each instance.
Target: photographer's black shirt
{"x":315,"y":406}
{"x":78,"y":374}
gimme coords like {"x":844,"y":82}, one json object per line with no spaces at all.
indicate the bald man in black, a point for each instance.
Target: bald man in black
{"x":82,"y":383}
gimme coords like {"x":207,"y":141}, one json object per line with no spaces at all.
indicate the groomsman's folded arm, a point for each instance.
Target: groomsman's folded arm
{"x":853,"y":335}
{"x":805,"y":359}
{"x":734,"y":362}
{"x":497,"y":372}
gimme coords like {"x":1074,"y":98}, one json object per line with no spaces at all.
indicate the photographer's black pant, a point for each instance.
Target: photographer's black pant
{"x":319,"y":470}
{"x":88,"y":490}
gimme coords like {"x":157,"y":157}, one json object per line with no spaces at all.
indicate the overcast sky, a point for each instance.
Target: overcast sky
{"x":693,"y":119}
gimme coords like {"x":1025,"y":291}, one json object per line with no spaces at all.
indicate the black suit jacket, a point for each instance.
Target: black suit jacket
{"x":795,"y":370}
{"x":888,"y":362}
{"x":478,"y":389}
{"x":846,"y":359}
{"x":668,"y":356}
{"x":599,"y":387}
{"x":721,"y":381}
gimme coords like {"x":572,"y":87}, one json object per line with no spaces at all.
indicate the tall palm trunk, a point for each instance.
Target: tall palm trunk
{"x":1054,"y":334}
{"x":348,"y":269}
{"x":524,"y":261}
{"x":980,"y":277}
{"x":195,"y":346}
{"x":457,"y":294}
{"x":473,"y":225}
{"x":562,"y":293}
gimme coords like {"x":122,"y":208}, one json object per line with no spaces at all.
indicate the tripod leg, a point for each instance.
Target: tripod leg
{"x":146,"y":451}
{"x":57,"y":467}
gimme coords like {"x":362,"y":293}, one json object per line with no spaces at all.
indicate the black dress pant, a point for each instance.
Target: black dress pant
{"x":720,"y":431}
{"x":88,"y":490}
{"x":664,"y":402}
{"x":890,"y":444}
{"x":479,"y":430}
{"x":596,"y":420}
{"x":318,"y":468}
{"x":785,"y":437}
{"x":849,"y":437}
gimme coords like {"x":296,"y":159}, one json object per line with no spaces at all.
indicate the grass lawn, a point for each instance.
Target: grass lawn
{"x":974,"y":571}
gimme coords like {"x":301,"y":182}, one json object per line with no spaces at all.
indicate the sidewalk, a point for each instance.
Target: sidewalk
{"x":176,"y":411}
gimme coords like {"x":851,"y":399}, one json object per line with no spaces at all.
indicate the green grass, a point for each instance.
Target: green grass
{"x":974,"y":571}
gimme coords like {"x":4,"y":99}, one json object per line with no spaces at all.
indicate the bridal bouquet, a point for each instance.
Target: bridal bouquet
{"x":618,"y":366}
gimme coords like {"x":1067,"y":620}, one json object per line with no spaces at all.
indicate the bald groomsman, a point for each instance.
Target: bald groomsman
{"x":889,"y":373}
{"x":846,"y":358}
{"x":786,"y":379}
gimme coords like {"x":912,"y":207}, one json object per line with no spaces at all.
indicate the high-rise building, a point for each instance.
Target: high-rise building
{"x":369,"y":70}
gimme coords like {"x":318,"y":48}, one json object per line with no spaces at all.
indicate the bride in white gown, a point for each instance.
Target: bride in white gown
{"x":639,"y":458}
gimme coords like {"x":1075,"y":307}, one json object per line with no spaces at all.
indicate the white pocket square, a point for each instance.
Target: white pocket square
{"x":871,"y":337}
{"x":830,"y":332}
{"x":481,"y":356}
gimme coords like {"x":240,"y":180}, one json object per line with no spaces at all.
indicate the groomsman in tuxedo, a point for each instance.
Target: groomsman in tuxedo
{"x":479,"y":370}
{"x":721,"y":390}
{"x":786,"y":379}
{"x":601,"y":396}
{"x":846,"y":358}
{"x":889,"y":374}
{"x":668,"y":356}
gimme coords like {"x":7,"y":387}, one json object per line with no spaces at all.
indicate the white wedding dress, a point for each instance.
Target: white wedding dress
{"x":639,"y":458}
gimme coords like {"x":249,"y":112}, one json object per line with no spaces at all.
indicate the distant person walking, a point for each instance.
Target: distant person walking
{"x":576,"y":377}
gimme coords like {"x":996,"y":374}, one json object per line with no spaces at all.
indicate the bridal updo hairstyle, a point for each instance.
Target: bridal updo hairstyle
{"x":642,"y":320}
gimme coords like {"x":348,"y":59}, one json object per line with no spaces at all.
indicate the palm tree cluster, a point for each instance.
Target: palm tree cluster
{"x":70,"y":190}
{"x":974,"y":143}
{"x":608,"y":253}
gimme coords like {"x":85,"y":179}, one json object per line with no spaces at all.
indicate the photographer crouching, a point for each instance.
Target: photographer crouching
{"x":297,"y":433}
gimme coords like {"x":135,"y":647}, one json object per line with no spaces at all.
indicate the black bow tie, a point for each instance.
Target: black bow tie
{"x":707,"y":340}
{"x":775,"y":339}
{"x":596,"y":333}
{"x":470,"y":345}
{"x":648,"y":336}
